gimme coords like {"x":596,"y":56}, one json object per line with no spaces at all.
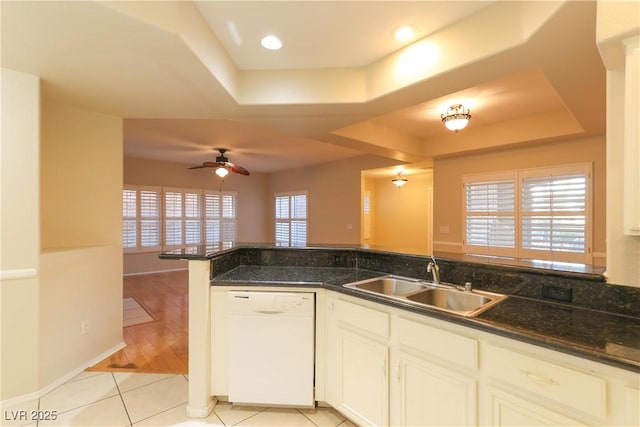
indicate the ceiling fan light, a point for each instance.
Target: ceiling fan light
{"x":456,"y":118}
{"x":222,"y":171}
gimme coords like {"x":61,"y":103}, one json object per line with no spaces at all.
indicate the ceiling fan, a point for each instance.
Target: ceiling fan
{"x":222,"y":165}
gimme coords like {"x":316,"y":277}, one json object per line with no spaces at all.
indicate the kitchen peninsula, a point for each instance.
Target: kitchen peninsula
{"x":527,"y":354}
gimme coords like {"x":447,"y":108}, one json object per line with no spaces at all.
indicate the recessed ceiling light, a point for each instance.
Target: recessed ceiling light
{"x":404,"y":33}
{"x":271,"y":42}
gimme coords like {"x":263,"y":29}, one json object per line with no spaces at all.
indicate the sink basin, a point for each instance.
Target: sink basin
{"x":389,"y":285}
{"x":440,"y":296}
{"x":455,"y":301}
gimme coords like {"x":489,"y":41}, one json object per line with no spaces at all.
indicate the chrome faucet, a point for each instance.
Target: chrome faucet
{"x":432,"y":267}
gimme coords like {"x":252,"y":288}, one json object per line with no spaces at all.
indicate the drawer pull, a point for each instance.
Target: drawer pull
{"x":539,"y":378}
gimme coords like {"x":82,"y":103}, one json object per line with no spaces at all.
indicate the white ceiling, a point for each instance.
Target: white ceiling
{"x":186,"y":85}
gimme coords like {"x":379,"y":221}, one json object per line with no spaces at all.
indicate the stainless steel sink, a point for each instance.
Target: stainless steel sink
{"x":388,"y":285}
{"x":444,"y":297}
{"x":456,"y":301}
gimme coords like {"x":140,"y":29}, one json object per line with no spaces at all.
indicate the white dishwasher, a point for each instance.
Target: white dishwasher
{"x":271,"y":348}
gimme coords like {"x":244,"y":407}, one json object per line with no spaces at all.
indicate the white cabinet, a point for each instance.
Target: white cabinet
{"x":431,"y":377}
{"x":431,"y":395}
{"x":434,"y":382}
{"x":358,"y":362}
{"x":362,"y":378}
{"x":506,"y":409}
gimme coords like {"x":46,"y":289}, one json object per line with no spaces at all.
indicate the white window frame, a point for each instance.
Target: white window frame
{"x":290,"y":219}
{"x":518,"y":177}
{"x":139,"y":218}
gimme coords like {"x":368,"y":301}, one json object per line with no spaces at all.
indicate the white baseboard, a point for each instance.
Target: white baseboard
{"x":201,"y":412}
{"x":57,"y":383}
{"x":155,"y":272}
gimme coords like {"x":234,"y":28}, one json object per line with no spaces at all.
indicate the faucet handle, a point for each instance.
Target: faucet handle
{"x":467,"y":286}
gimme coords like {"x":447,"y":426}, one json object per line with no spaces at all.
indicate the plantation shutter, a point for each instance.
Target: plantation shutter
{"x":173,"y":218}
{"x":490,"y":217}
{"x":220,"y":218}
{"x":149,"y":218}
{"x":291,"y":219}
{"x":299,"y":220}
{"x":129,"y":219}
{"x":554,"y":215}
{"x":192,"y":221}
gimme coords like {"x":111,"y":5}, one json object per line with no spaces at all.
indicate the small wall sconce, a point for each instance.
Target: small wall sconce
{"x":457,"y":117}
{"x":399,"y":180}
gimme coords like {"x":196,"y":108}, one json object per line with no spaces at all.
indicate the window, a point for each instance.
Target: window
{"x":189,"y":217}
{"x":490,"y":215}
{"x":535,"y":213}
{"x":140,"y":218}
{"x":220,"y":217}
{"x":291,"y":219}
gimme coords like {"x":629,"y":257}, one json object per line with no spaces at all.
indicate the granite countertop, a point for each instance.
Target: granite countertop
{"x":596,"y":335}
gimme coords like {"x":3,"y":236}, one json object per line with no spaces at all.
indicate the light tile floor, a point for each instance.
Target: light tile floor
{"x":135,"y":399}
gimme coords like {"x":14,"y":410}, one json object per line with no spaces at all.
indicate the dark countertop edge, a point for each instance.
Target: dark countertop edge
{"x":205,"y":253}
{"x":472,"y":322}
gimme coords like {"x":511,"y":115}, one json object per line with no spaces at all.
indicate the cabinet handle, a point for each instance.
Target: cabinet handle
{"x":539,"y":378}
{"x":398,"y":372}
{"x":384,"y":368}
{"x":331,"y":306}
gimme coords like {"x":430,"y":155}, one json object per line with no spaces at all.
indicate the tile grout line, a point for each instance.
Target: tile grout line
{"x":122,"y":399}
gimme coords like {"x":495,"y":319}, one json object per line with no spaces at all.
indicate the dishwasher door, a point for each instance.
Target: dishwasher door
{"x":271,"y":348}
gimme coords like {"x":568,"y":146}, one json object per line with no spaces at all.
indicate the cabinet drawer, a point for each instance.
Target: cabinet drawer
{"x":447,"y":346}
{"x":565,"y":386}
{"x":365,"y":318}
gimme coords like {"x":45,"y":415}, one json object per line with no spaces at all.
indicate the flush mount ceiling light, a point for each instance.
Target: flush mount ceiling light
{"x":271,"y":42}
{"x":404,"y":33}
{"x":399,"y":180}
{"x":456,"y":118}
{"x":222,"y":171}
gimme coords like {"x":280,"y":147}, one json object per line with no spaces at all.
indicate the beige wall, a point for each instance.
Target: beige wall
{"x":81,"y":177}
{"x":401,"y":215}
{"x":334,"y":194}
{"x":81,"y":210}
{"x":20,"y":234}
{"x":251,"y":198}
{"x":448,"y":174}
{"x":55,"y":159}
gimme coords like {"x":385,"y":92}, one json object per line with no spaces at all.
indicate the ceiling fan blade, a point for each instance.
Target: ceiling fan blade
{"x":237,"y":169}
{"x":207,"y":165}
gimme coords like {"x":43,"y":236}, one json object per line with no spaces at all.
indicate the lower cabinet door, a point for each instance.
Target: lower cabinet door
{"x":431,"y":395}
{"x":363,"y":385}
{"x":506,"y":409}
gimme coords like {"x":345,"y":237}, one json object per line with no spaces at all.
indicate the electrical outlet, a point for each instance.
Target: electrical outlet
{"x":339,"y":261}
{"x":84,"y":327}
{"x":559,"y":293}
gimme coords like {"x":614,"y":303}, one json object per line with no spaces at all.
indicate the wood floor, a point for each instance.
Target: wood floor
{"x":159,"y":346}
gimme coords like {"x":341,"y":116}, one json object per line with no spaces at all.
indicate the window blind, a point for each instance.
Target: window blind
{"x":172,"y":218}
{"x":554,"y":213}
{"x":129,"y":219}
{"x":541,"y":213}
{"x":149,"y":218}
{"x":141,"y":218}
{"x":291,"y":219}
{"x":490,"y":214}
{"x":220,"y":218}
